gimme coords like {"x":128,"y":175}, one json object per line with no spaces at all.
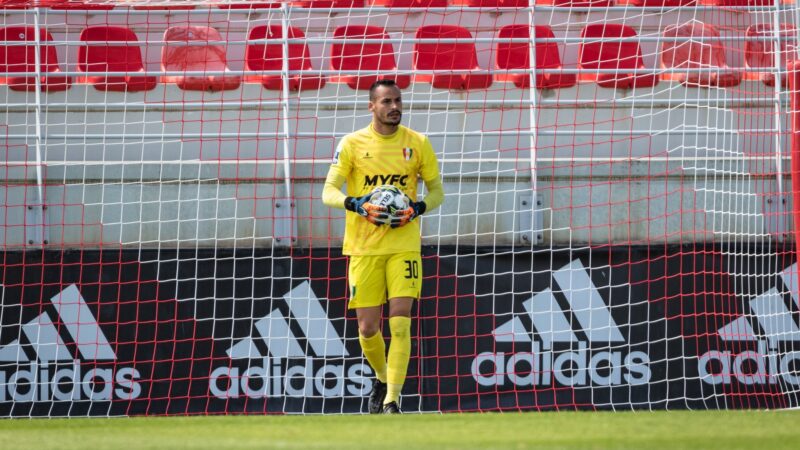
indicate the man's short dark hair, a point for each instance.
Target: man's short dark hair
{"x":388,"y":82}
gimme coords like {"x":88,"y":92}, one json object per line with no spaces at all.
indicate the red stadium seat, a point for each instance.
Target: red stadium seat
{"x":250,"y":5}
{"x":411,"y":3}
{"x":600,"y":50}
{"x":659,"y":3}
{"x":22,"y":58}
{"x":199,"y":58}
{"x":81,"y":5}
{"x":54,"y":4}
{"x":697,"y":53}
{"x":365,"y":56}
{"x":164,"y":7}
{"x":492,"y":3}
{"x":512,"y":55}
{"x":577,"y":3}
{"x":329,"y":3}
{"x":448,"y":56}
{"x":738,"y":2}
{"x":16,"y":4}
{"x":114,"y":56}
{"x":758,"y":53}
{"x":268,"y":56}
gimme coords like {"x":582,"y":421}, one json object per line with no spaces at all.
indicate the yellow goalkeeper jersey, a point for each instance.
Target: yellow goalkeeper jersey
{"x":365,"y":160}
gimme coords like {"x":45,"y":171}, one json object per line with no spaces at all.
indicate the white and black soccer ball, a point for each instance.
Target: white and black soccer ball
{"x":390,"y":197}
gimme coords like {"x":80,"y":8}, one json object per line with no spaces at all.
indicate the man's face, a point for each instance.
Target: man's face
{"x":387,"y":106}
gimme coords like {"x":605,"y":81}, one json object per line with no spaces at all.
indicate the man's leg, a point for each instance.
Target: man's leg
{"x":399,"y":347}
{"x":367,"y":278}
{"x":374,"y":348}
{"x":371,"y":339}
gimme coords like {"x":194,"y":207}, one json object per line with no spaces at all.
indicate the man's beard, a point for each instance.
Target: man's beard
{"x":391,"y":121}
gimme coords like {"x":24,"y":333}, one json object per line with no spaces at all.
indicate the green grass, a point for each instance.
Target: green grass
{"x":643,"y":430}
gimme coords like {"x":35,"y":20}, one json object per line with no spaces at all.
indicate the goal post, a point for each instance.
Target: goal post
{"x":794,"y":94}
{"x":619,"y":228}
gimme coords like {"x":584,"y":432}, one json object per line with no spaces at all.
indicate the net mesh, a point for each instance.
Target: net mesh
{"x":617,"y":231}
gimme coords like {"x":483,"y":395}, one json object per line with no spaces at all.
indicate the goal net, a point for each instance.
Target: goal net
{"x":618,"y":230}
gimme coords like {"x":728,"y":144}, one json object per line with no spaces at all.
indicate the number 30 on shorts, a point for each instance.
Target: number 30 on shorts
{"x":412,"y":269}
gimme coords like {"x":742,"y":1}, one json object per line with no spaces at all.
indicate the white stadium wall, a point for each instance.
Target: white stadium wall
{"x":648,"y":145}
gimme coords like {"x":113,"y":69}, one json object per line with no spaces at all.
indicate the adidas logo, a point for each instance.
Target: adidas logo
{"x":282,"y":365}
{"x":559,"y":355}
{"x":768,"y":354}
{"x":38,"y":365}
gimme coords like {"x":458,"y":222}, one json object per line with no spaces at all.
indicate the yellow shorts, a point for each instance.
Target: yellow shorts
{"x":375,"y":278}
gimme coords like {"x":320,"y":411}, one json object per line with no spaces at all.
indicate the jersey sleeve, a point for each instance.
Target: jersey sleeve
{"x":332,"y":195}
{"x":430,"y":175}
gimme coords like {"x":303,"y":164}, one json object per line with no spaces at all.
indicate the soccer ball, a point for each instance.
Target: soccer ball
{"x":390,"y":197}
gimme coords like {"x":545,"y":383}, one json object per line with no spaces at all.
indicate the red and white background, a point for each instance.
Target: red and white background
{"x":618,"y":230}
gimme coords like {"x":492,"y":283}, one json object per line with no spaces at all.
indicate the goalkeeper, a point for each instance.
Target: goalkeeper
{"x":384,"y":257}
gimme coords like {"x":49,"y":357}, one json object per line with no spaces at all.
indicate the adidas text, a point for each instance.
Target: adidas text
{"x":54,"y":374}
{"x":560,"y":355}
{"x":45,"y":382}
{"x":579,"y":367}
{"x":758,"y":359}
{"x":749,"y":367}
{"x":290,"y":370}
{"x":291,"y":378}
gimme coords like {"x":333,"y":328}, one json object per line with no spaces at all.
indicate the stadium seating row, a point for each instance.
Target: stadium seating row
{"x":609,"y":55}
{"x":326,"y":4}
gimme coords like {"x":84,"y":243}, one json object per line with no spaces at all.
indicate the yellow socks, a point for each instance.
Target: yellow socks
{"x":399,"y":353}
{"x":374,"y":349}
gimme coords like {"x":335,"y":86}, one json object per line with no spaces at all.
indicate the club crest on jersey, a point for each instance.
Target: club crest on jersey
{"x":407,"y":152}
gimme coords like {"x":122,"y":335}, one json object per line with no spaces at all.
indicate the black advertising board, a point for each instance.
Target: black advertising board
{"x":128,"y":332}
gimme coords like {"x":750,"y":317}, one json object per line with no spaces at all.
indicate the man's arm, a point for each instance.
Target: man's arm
{"x":433,"y":179}
{"x":332,"y":195}
{"x":435,"y":195}
{"x":340,"y":168}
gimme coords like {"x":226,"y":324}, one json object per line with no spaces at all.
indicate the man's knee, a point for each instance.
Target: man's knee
{"x":369,"y":320}
{"x":368,"y":329}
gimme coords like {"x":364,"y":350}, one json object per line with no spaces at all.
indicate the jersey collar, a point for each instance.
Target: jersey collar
{"x":383,"y":136}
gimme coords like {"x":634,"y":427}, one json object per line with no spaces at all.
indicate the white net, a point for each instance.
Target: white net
{"x":616,"y":234}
